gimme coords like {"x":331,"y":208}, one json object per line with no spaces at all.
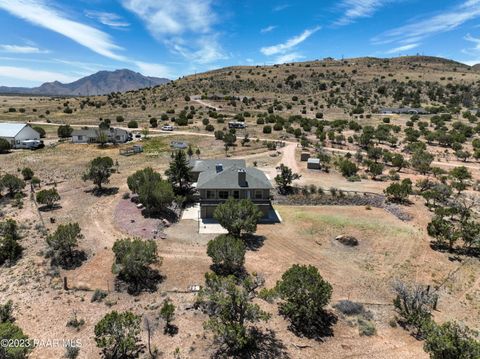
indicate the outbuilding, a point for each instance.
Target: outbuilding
{"x":304,"y":156}
{"x":314,"y":164}
{"x":20,"y":135}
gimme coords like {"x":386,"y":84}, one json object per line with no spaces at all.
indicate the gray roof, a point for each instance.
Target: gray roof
{"x":206,"y":165}
{"x":228,"y":179}
{"x":94,"y":132}
{"x":85,"y":132}
{"x":10,"y":129}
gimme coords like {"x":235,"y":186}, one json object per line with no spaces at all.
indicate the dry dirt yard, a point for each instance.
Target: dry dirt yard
{"x":388,"y":249}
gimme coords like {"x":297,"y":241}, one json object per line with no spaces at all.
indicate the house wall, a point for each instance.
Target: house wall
{"x":206,"y":211}
{"x":80,"y":139}
{"x":214,"y":194}
{"x":27,"y":133}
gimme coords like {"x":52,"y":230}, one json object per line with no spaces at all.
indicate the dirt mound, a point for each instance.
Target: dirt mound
{"x":347,"y":240}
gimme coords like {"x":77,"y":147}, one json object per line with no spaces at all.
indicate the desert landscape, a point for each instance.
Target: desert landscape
{"x":384,"y":220}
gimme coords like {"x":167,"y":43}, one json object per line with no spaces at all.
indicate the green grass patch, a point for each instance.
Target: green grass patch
{"x":319,"y":222}
{"x":156,"y":146}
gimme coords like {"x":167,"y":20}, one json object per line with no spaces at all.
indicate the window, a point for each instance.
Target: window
{"x":236,"y":194}
{"x":210,"y":194}
{"x":223,"y":194}
{"x":80,"y":138}
{"x":258,"y":195}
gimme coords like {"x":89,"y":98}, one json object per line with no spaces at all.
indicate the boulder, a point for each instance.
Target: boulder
{"x":347,"y":240}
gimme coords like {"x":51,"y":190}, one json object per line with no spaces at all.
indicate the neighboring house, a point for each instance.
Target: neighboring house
{"x":404,"y":111}
{"x":91,"y":134}
{"x":223,"y":179}
{"x":20,"y":135}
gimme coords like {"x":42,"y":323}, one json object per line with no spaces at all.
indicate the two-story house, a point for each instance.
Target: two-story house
{"x":222,"y":179}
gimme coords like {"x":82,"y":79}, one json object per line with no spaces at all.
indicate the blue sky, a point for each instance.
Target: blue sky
{"x":46,"y":40}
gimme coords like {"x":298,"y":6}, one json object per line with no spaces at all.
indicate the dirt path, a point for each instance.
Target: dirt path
{"x":198,"y":100}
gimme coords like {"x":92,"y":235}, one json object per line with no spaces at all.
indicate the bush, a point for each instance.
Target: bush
{"x":132,"y":124}
{"x":40,"y":130}
{"x":304,"y":294}
{"x":132,"y":263}
{"x":238,"y":216}
{"x":48,"y":197}
{"x":98,"y":295}
{"x":348,"y":307}
{"x":27,"y":173}
{"x":4,"y":145}
{"x":227,"y":253}
{"x":11,"y":332}
{"x":64,"y":131}
{"x":118,"y":335}
{"x":267,"y":129}
{"x":6,"y":311}
{"x":366,"y":328}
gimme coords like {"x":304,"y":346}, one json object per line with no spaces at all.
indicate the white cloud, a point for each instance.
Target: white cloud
{"x":281,"y":7}
{"x":289,"y":44}
{"x":268,"y":29}
{"x":33,"y":75}
{"x":39,"y":13}
{"x":283,"y":59}
{"x":156,"y":70}
{"x":173,"y":21}
{"x":19,"y":49}
{"x":475,"y":40}
{"x":355,"y":9}
{"x":442,"y":22}
{"x":173,"y":17}
{"x":107,"y":18}
{"x":204,"y":50}
{"x":403,"y":48}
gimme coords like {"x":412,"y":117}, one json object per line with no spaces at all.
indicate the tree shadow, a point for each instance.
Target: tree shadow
{"x":147,"y":283}
{"x":253,"y":242}
{"x":170,"y":329}
{"x":222,"y":270}
{"x":100,"y":192}
{"x":321,"y":328}
{"x":48,"y":208}
{"x":68,"y":263}
{"x":262,"y":345}
{"x":165,"y":213}
{"x":455,"y":253}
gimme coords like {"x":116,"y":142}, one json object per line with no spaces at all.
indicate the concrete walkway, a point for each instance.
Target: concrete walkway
{"x":210,"y":226}
{"x":192,"y":212}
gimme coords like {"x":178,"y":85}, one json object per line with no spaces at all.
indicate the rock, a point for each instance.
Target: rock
{"x":347,"y":240}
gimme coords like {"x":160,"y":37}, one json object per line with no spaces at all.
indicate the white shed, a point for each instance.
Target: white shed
{"x":19,"y":135}
{"x":314,"y":163}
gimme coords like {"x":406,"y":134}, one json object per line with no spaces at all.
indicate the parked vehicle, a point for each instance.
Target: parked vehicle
{"x":167,"y":128}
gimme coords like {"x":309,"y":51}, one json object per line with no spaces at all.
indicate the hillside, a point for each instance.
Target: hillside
{"x":102,"y":82}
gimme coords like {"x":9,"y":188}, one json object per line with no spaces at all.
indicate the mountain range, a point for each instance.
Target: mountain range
{"x":100,"y":83}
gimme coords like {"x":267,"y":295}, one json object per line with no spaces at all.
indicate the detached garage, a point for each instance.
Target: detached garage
{"x":20,"y":135}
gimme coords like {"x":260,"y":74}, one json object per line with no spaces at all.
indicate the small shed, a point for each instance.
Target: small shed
{"x":304,"y":156}
{"x":313,"y":163}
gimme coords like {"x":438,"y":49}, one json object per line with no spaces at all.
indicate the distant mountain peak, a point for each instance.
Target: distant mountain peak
{"x":100,"y":83}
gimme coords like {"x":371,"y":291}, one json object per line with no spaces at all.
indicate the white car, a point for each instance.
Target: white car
{"x":167,"y":128}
